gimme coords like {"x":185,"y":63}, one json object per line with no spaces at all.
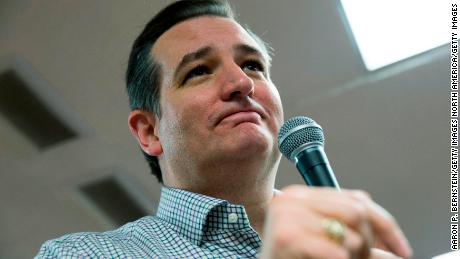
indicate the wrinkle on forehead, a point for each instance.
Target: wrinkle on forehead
{"x":192,"y":34}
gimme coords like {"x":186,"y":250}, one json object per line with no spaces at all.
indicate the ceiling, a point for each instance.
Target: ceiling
{"x":386,"y":131}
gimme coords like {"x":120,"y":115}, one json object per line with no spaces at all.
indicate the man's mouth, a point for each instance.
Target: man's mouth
{"x":242,"y":116}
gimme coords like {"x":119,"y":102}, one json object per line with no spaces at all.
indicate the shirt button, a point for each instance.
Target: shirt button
{"x":232,"y":218}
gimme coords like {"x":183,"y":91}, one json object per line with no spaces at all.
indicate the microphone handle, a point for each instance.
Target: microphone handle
{"x":315,"y":169}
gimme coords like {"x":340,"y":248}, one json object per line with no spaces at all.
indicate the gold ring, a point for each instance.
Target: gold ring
{"x":334,"y":229}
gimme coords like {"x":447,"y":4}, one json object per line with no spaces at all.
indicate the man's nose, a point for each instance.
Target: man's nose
{"x":237,"y":83}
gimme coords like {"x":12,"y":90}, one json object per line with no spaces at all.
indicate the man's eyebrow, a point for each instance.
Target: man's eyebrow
{"x":249,"y":50}
{"x":190,"y":57}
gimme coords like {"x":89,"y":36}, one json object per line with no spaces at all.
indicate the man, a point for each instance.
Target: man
{"x":206,"y":115}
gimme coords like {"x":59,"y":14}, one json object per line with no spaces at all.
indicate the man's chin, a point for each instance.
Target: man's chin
{"x":250,"y":139}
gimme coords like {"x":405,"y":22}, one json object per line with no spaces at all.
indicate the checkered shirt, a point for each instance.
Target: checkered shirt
{"x":187,"y":225}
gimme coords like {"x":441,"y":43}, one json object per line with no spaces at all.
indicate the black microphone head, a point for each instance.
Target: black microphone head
{"x":298,"y":133}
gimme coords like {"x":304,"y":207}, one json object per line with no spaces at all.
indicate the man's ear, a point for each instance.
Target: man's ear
{"x":143,"y":126}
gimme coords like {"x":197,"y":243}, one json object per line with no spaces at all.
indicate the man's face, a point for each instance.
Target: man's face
{"x":217,"y":100}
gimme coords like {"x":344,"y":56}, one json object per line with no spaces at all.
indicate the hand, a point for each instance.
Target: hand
{"x":293,"y":227}
{"x":380,"y":254}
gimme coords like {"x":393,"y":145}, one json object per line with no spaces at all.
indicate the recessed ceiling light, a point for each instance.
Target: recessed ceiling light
{"x":387,"y":31}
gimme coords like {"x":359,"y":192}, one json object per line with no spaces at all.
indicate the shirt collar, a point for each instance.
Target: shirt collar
{"x":187,"y":211}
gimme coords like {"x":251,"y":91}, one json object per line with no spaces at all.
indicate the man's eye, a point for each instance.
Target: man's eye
{"x":252,"y":65}
{"x":196,"y":72}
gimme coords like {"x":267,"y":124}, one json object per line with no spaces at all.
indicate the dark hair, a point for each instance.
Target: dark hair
{"x":143,"y":77}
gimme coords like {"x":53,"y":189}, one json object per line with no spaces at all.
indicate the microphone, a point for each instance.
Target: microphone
{"x":301,"y":140}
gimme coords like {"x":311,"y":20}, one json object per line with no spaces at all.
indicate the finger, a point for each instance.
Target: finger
{"x":355,"y":208}
{"x":380,"y":254}
{"x":304,"y":239}
{"x":355,"y":213}
{"x":331,"y":204}
{"x":359,"y":232}
{"x":380,"y":245}
{"x":385,"y":227}
{"x":353,"y":244}
{"x":341,"y":207}
{"x":315,"y":246}
{"x":356,"y":245}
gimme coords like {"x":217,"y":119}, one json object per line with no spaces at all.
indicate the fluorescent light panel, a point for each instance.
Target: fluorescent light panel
{"x":387,"y":31}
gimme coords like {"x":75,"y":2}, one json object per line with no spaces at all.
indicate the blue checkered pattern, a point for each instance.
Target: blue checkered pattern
{"x":187,"y":225}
